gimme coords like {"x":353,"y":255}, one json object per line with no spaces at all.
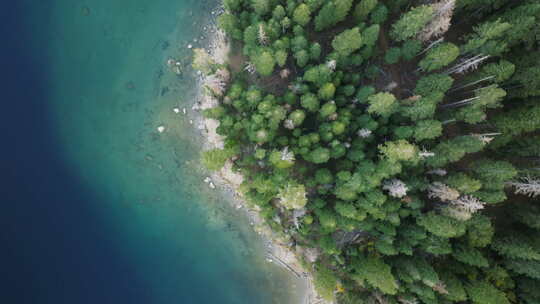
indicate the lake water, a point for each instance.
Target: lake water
{"x":99,"y":207}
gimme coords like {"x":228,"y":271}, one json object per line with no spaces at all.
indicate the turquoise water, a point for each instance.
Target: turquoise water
{"x":108,"y":89}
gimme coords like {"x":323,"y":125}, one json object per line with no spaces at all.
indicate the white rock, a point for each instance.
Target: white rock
{"x":190,"y":122}
{"x":176,"y":110}
{"x":212,"y":185}
{"x":189,"y":46}
{"x":161,"y":129}
{"x":184,"y":111}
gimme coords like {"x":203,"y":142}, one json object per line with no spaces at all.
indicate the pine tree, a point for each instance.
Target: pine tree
{"x":486,"y":39}
{"x":377,"y":273}
{"x":325,"y":282}
{"x":427,"y":129}
{"x":479,"y":231}
{"x":482,"y":292}
{"x":331,"y":13}
{"x":517,"y":121}
{"x":302,"y":14}
{"x":527,"y":268}
{"x":412,"y":22}
{"x":441,"y":226}
{"x":516,"y":247}
{"x":293,"y":196}
{"x":470,"y":256}
{"x":363,"y":8}
{"x":440,"y":56}
{"x":347,"y":42}
{"x":383,"y":104}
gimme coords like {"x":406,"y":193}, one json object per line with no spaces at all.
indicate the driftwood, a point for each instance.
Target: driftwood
{"x":283,"y":264}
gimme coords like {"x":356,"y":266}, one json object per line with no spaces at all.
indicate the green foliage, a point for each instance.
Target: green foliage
{"x":463,"y":183}
{"x":377,"y":273}
{"x":324,"y":176}
{"x":483,"y":41}
{"x":470,"y":256}
{"x":392,"y":55}
{"x":297,"y":117}
{"x":347,"y":42}
{"x":302,"y":58}
{"x":261,"y":7}
{"x":302,"y":14}
{"x":400,"y":150}
{"x":527,"y":268}
{"x":202,"y":61}
{"x":363,"y":8}
{"x":499,"y":71}
{"x":456,"y":291}
{"x":325,"y":282}
{"x":493,"y":174}
{"x":331,"y":13}
{"x":326,"y":137}
{"x":328,"y":108}
{"x":516,"y":247}
{"x":379,"y":14}
{"x":370,"y":35}
{"x":427,"y":129}
{"x":319,"y":74}
{"x":327,"y":91}
{"x":440,"y":56}
{"x":310,"y":102}
{"x":434,"y":83}
{"x":485,"y":98}
{"x":453,"y":150}
{"x":319,"y":156}
{"x":482,"y":292}
{"x":229,"y":24}
{"x":215,"y":159}
{"x":281,"y":57}
{"x":315,"y":51}
{"x":441,"y":225}
{"x":232,"y":5}
{"x":410,"y":49}
{"x":292,"y":196}
{"x":264,"y":63}
{"x":523,"y":119}
{"x":383,"y":104}
{"x":411,"y":23}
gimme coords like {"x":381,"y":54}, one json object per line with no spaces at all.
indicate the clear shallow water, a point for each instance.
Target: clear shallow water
{"x":102,"y":208}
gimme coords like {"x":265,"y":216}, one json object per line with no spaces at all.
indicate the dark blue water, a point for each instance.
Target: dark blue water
{"x":54,"y":249}
{"x":97,"y":208}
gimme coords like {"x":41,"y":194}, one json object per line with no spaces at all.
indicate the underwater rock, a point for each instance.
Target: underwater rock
{"x":130,"y":85}
{"x":85,"y":11}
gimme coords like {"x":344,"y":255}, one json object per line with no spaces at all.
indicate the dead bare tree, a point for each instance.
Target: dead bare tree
{"x":527,"y":186}
{"x":439,"y":25}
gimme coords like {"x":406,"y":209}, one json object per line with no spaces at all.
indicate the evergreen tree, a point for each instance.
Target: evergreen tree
{"x":347,"y":42}
{"x":411,"y":22}
{"x":440,"y":56}
{"x":376,"y":273}
{"x":363,"y":8}
{"x":331,"y":13}
{"x":302,"y":14}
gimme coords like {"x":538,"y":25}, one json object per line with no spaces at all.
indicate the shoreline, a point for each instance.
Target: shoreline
{"x":226,"y":179}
